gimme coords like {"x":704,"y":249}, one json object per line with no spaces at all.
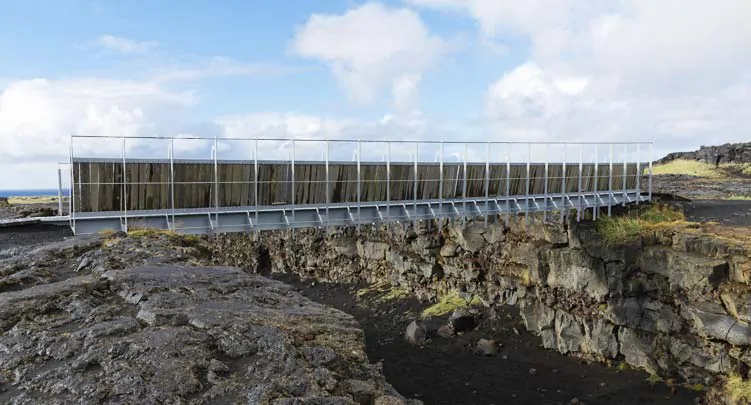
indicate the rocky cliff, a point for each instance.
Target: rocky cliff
{"x":116,"y":320}
{"x":727,"y":153}
{"x":675,"y":302}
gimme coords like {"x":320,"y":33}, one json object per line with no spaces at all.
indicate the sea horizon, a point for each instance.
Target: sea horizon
{"x":32,"y":192}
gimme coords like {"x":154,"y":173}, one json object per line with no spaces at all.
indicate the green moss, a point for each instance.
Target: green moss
{"x":696,"y":387}
{"x":448,"y":303}
{"x":654,"y":379}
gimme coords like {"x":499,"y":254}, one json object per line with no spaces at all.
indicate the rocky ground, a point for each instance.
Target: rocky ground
{"x":31,"y":208}
{"x":92,"y":320}
{"x":697,"y":188}
{"x":121,"y":320}
{"x":128,"y":320}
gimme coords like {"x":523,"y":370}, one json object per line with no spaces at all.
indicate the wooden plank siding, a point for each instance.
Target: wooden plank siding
{"x":98,"y":186}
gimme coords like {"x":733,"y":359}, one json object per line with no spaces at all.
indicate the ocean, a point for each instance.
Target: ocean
{"x":32,"y":193}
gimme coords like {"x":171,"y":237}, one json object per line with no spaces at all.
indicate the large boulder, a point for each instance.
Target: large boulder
{"x":180,"y":334}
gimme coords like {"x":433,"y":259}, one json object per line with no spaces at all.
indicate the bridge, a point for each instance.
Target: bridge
{"x":197,"y":185}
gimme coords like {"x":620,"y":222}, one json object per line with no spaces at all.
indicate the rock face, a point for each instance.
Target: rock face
{"x":675,"y":303}
{"x":162,"y":333}
{"x":727,"y":153}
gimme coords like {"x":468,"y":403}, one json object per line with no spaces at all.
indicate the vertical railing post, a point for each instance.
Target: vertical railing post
{"x":216,"y":183}
{"x":596,"y":210}
{"x":414,"y":186}
{"x":464,"y":187}
{"x":59,"y":190}
{"x":125,"y":190}
{"x":293,"y":194}
{"x":328,"y":193}
{"x":359,"y":182}
{"x":172,"y":181}
{"x":564,"y":190}
{"x":440,"y":180}
{"x":388,"y":182}
{"x":638,"y":173}
{"x":650,"y":171}
{"x":526,"y":200}
{"x":610,"y":183}
{"x":508,"y":182}
{"x":545,"y":186}
{"x":581,"y":169}
{"x":624,"y":177}
{"x":72,"y":201}
{"x":487,"y":183}
{"x":255,"y":186}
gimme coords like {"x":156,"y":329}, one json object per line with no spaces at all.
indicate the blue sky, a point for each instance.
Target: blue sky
{"x":496,"y":70}
{"x":63,"y":36}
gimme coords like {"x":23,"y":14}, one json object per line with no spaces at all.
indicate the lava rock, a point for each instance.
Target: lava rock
{"x":486,"y":347}
{"x":416,"y":333}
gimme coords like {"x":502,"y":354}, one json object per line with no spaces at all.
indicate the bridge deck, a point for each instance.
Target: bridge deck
{"x":250,"y":219}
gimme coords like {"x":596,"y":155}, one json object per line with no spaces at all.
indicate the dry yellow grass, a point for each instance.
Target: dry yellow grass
{"x":29,"y":200}
{"x":448,"y":303}
{"x":622,"y":229}
{"x":737,"y":389}
{"x":701,"y":169}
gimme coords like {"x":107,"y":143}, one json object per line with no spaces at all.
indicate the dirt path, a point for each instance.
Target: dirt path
{"x":446,"y":372}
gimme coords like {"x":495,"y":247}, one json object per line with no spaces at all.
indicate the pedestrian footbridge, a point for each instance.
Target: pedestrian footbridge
{"x":198,"y":185}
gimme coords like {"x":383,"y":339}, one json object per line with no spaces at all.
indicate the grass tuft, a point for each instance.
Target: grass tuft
{"x":654,"y":379}
{"x":737,"y":389}
{"x":384,"y":291}
{"x":618,"y":230}
{"x":448,"y":303}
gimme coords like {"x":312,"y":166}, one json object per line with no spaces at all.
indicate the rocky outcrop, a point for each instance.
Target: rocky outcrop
{"x":91,"y":329}
{"x":673,"y":303}
{"x":727,"y":153}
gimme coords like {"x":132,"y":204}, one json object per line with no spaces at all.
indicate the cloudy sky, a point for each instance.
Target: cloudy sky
{"x":675,"y":72}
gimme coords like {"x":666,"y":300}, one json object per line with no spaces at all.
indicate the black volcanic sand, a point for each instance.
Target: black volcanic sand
{"x":32,"y":234}
{"x":724,"y":212}
{"x":446,"y":372}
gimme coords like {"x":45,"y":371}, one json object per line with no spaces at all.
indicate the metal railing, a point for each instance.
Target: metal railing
{"x":468,"y":173}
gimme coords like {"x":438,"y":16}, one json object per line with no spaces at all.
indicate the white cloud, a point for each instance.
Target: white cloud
{"x":672,"y":71}
{"x":125,"y":45}
{"x":217,"y":67}
{"x":404,"y":90}
{"x":370,"y":46}
{"x":38,"y":116}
